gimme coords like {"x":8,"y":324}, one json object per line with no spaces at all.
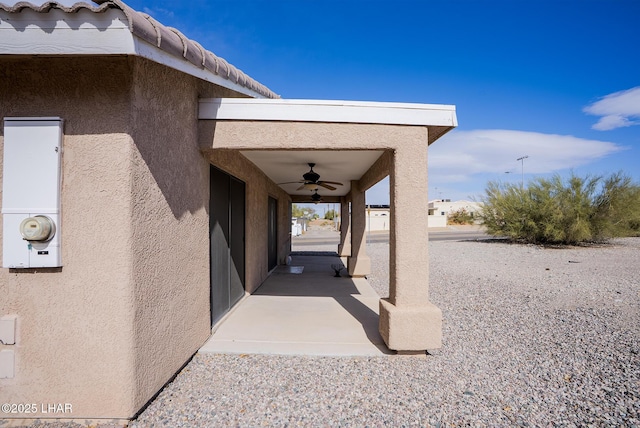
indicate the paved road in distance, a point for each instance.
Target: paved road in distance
{"x":448,"y":235}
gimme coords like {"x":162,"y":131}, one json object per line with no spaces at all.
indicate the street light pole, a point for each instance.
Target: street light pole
{"x":522,"y":160}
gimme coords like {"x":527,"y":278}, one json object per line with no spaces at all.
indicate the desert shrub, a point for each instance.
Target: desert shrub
{"x":557,"y":211}
{"x":330,"y":215}
{"x":460,"y":216}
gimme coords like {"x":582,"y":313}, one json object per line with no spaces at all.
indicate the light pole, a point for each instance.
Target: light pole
{"x":522,"y":160}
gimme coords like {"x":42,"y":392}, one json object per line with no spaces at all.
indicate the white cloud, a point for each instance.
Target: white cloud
{"x":618,"y":110}
{"x":457,"y":160}
{"x":461,"y":154}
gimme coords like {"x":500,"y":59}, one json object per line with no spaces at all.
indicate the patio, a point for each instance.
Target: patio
{"x":302,"y":309}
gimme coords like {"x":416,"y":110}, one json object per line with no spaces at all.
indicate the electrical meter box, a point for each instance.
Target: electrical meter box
{"x":31,"y":192}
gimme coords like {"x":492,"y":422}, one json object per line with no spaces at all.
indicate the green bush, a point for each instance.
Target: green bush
{"x":555,"y":211}
{"x":460,"y":216}
{"x":330,"y":215}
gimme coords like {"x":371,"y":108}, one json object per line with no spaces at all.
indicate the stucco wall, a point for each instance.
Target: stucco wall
{"x":170,"y":256}
{"x":75,"y":324}
{"x":258,"y":189}
{"x":248,"y":135}
{"x":437,"y":220}
{"x":170,"y":242}
{"x":131,"y":303}
{"x":378,"y":220}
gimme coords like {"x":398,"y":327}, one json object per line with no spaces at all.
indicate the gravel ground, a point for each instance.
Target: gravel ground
{"x":532,"y":337}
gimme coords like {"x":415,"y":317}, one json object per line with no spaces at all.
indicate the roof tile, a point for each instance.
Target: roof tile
{"x":165,"y":38}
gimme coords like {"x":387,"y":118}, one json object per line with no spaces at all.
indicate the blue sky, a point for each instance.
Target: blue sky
{"x":557,"y":80}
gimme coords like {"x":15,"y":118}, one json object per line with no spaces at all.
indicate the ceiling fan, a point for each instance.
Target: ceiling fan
{"x":311,"y":181}
{"x":316,"y":198}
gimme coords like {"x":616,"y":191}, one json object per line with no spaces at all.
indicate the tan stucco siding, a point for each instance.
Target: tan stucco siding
{"x":408,"y":194}
{"x":264,"y":135}
{"x":258,"y":189}
{"x":378,"y":171}
{"x":170,"y":254}
{"x":131,"y":303}
{"x":75,"y":324}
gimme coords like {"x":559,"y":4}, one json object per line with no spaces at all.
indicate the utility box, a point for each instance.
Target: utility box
{"x":31,"y":192}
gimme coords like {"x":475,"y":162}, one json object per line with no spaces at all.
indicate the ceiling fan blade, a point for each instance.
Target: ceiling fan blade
{"x":331,"y":182}
{"x":292,"y":182}
{"x":325,"y":185}
{"x":301,"y":187}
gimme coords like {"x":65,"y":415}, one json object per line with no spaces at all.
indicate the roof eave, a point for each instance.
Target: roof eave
{"x":439,"y":118}
{"x":113,"y":28}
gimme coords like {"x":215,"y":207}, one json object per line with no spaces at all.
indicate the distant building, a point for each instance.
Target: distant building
{"x":444,"y":207}
{"x":378,"y":217}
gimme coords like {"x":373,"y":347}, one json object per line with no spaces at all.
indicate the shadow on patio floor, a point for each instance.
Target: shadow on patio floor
{"x":302,"y":309}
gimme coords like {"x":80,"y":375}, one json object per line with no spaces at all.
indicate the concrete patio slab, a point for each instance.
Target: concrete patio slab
{"x":302,"y":309}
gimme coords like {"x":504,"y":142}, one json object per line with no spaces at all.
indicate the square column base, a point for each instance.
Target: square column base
{"x":344,"y":250}
{"x":359,"y":266}
{"x":410,"y":328}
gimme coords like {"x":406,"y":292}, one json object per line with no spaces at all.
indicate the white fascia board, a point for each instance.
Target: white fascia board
{"x":88,"y":33}
{"x":327,"y":111}
{"x":84,"y":33}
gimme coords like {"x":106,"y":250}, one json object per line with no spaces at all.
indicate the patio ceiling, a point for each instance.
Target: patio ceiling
{"x":286,"y":166}
{"x":343,"y":138}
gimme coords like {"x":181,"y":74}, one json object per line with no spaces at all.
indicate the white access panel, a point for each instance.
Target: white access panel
{"x":31,"y":187}
{"x":7,"y":364}
{"x":8,"y":329}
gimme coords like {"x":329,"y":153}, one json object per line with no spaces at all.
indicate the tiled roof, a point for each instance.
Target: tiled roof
{"x":165,"y":38}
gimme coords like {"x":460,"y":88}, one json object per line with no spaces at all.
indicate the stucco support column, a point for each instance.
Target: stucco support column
{"x":344,"y":248}
{"x":408,"y":321}
{"x":358,"y":263}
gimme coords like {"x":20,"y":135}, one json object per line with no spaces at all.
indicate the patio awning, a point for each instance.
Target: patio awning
{"x":343,"y":138}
